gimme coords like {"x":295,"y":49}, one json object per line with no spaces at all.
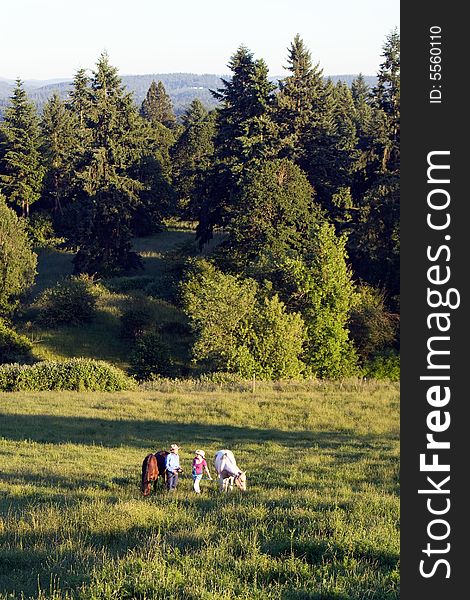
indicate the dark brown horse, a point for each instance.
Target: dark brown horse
{"x":153,"y":467}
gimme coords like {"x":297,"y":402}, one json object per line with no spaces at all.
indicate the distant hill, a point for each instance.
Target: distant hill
{"x":182,"y":88}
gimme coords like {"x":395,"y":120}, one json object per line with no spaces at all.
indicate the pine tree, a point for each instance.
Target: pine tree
{"x":300,"y":102}
{"x":109,"y":192}
{"x":386,"y":97}
{"x":192,"y":156}
{"x":59,"y":149}
{"x":21,"y":173}
{"x":246,"y":136}
{"x":246,"y":131}
{"x":273,"y":214}
{"x":158,"y":107}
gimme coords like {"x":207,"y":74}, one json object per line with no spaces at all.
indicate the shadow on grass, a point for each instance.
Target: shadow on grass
{"x":148,"y":434}
{"x":65,"y":484}
{"x":315,"y":552}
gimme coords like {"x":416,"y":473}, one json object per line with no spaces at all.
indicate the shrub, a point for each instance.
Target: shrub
{"x":383,"y":366}
{"x":70,"y":302}
{"x":239,"y":332}
{"x":136,"y":321}
{"x":279,"y":340}
{"x":75,"y":374}
{"x":41,"y":231}
{"x":13,"y":346}
{"x":372,"y":327}
{"x":151,"y":357}
{"x":322,"y":290}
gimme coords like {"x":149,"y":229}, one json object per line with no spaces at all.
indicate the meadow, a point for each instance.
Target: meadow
{"x":320,"y":519}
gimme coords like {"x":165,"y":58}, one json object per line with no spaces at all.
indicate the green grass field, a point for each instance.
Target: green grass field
{"x":320,"y":519}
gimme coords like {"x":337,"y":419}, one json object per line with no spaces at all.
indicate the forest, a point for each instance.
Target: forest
{"x":286,"y":196}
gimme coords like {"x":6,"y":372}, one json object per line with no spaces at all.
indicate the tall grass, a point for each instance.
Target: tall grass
{"x":320,"y":518}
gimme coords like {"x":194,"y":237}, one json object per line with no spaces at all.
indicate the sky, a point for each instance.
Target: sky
{"x":48,"y":39}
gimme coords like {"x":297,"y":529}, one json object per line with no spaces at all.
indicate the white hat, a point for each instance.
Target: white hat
{"x":201,"y":453}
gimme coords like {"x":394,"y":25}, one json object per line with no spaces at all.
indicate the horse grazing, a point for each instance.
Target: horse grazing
{"x":153,"y":467}
{"x":228,"y":472}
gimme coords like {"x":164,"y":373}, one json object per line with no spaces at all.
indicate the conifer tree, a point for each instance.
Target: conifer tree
{"x":158,"y":107}
{"x":245,"y":129}
{"x":272,"y":216}
{"x":360,"y":93}
{"x":300,"y":102}
{"x":374,"y":241}
{"x":246,"y":136}
{"x":386,"y":97}
{"x":80,"y":97}
{"x":330,"y":154}
{"x":21,"y":171}
{"x":59,"y":149}
{"x":109,"y":191}
{"x":192,"y":156}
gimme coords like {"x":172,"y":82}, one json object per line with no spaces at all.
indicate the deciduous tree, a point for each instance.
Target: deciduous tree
{"x":17,"y":259}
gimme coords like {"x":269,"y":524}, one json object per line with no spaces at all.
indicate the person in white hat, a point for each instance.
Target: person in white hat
{"x":172,"y":465}
{"x":199,"y":466}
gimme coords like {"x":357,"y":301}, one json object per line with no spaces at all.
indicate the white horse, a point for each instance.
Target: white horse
{"x":228,"y":472}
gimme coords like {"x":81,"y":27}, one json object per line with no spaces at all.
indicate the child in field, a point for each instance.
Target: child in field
{"x":199,"y":466}
{"x":173,"y":469}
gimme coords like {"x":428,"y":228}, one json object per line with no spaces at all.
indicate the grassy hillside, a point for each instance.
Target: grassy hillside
{"x":319,"y":519}
{"x":163,"y":256}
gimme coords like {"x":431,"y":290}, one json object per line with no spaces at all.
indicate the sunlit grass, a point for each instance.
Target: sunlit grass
{"x":320,"y":518}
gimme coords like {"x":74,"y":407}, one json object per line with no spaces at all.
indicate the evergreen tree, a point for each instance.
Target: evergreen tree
{"x":158,"y":107}
{"x":109,"y":192}
{"x":192,"y":156}
{"x":374,"y":240}
{"x":153,"y":169}
{"x":156,"y":198}
{"x":386,"y":97}
{"x":245,"y":129}
{"x":80,"y":105}
{"x":330,"y":154}
{"x":246,"y":136}
{"x":360,"y":93}
{"x":272,"y":216}
{"x":21,"y":172}
{"x":300,"y":102}
{"x":363,"y":116}
{"x":59,"y":150}
{"x":80,"y":97}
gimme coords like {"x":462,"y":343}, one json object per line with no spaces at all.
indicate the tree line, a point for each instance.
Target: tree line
{"x":300,"y":176}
